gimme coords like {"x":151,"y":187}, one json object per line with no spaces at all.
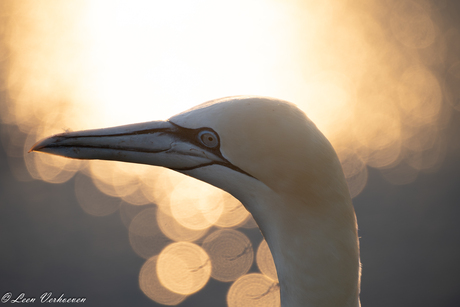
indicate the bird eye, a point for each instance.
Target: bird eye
{"x":208,"y":138}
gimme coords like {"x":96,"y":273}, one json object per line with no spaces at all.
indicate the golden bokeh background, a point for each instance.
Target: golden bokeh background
{"x":366,"y":72}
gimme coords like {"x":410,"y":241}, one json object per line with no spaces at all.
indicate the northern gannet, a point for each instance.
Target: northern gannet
{"x":271,"y":157}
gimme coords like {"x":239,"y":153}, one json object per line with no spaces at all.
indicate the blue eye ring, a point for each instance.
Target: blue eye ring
{"x":208,"y":138}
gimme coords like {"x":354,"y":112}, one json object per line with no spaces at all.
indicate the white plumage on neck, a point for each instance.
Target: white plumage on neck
{"x":300,"y":199}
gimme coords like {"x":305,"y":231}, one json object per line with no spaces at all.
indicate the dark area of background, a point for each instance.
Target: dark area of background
{"x":410,"y":238}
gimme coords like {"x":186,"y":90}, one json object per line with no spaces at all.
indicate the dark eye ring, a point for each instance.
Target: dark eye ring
{"x":208,"y":138}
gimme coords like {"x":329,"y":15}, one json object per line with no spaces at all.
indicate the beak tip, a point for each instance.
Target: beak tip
{"x":38,"y":146}
{"x":34,"y":148}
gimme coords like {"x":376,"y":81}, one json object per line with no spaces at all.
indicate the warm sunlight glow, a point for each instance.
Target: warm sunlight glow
{"x":196,"y":205}
{"x":152,"y":287}
{"x":366,"y":72}
{"x":265,"y":261}
{"x":152,"y":59}
{"x":145,"y":236}
{"x":100,"y":63}
{"x":254,"y":290}
{"x":231,"y":254}
{"x":183,"y":268}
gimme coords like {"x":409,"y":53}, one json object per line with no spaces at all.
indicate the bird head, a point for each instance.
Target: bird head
{"x":226,"y":142}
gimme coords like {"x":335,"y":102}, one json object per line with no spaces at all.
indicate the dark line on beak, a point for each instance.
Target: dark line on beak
{"x":139,"y":132}
{"x":106,"y":147}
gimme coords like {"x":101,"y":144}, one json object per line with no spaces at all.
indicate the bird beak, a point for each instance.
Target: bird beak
{"x":158,"y":143}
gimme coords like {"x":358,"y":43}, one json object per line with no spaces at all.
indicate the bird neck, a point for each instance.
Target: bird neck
{"x":314,"y":243}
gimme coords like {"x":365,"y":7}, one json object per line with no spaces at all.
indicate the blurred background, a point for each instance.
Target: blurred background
{"x":381,"y":79}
